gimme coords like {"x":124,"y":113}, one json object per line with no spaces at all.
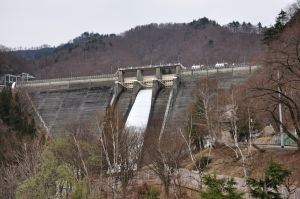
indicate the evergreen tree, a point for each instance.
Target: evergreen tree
{"x":275,"y":175}
{"x":31,"y":128}
{"x":24,"y":127}
{"x":280,"y":20}
{"x":220,"y":188}
{"x":259,"y":27}
{"x":272,"y":33}
{"x":169,"y":71}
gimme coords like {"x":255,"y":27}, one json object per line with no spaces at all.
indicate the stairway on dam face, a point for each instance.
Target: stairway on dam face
{"x":60,"y":103}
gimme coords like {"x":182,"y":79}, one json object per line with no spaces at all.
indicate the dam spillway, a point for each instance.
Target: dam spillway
{"x":139,"y":113}
{"x":60,"y":100}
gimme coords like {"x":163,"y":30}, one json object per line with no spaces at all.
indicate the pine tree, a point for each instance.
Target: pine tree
{"x":220,"y":188}
{"x":259,"y":27}
{"x":272,"y":33}
{"x":280,"y":20}
{"x":31,"y":128}
{"x":24,"y":127}
{"x":275,"y":175}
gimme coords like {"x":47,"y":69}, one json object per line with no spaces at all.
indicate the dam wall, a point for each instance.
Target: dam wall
{"x":58,"y":101}
{"x":178,"y":112}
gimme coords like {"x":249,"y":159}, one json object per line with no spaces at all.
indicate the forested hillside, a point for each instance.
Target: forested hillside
{"x":10,"y":62}
{"x":200,"y":41}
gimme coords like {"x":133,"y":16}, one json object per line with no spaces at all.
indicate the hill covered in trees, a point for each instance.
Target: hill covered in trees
{"x":200,"y":41}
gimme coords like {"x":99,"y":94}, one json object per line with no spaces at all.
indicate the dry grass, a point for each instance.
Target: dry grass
{"x":224,"y":162}
{"x":265,"y":139}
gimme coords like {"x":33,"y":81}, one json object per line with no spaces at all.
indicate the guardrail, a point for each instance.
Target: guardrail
{"x":139,"y":67}
{"x":153,"y":66}
{"x":214,"y":68}
{"x":68,"y":79}
{"x":274,"y":143}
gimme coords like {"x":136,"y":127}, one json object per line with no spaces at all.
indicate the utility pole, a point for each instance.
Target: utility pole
{"x":178,"y":57}
{"x":280,"y":115}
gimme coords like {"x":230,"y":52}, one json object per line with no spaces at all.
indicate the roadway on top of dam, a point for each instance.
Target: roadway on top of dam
{"x":114,"y":77}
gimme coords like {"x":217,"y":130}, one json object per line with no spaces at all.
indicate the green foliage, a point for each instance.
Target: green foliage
{"x":31,"y":128}
{"x":153,"y":194}
{"x":259,"y":26}
{"x":27,"y":129}
{"x":49,"y":179}
{"x":210,"y":42}
{"x":24,"y":127}
{"x":65,"y":150}
{"x":82,"y":191}
{"x":202,"y":22}
{"x":148,"y":192}
{"x":163,"y":71}
{"x":220,"y":188}
{"x":275,"y":175}
{"x":272,"y":33}
{"x":67,"y":46}
{"x":169,"y":71}
{"x":10,"y":113}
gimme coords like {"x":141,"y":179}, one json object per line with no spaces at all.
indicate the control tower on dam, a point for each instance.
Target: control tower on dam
{"x":57,"y":101}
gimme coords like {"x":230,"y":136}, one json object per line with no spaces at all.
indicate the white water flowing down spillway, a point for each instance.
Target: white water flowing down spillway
{"x":139,"y":114}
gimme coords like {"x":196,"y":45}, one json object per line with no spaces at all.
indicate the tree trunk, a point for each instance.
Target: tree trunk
{"x":166,"y":190}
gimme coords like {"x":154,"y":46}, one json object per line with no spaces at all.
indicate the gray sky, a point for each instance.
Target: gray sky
{"x":36,"y":22}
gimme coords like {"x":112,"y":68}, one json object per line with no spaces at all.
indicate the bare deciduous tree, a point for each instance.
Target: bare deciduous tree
{"x":165,"y":155}
{"x":121,"y":148}
{"x":278,"y":81}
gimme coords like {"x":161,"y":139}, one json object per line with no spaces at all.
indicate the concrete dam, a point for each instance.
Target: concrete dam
{"x":57,"y":101}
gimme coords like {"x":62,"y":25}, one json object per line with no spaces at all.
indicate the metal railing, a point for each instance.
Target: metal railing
{"x":69,"y":79}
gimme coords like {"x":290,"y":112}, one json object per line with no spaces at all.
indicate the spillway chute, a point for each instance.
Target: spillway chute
{"x":140,"y":111}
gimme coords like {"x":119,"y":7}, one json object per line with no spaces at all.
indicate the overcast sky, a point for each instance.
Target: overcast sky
{"x":36,"y":22}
